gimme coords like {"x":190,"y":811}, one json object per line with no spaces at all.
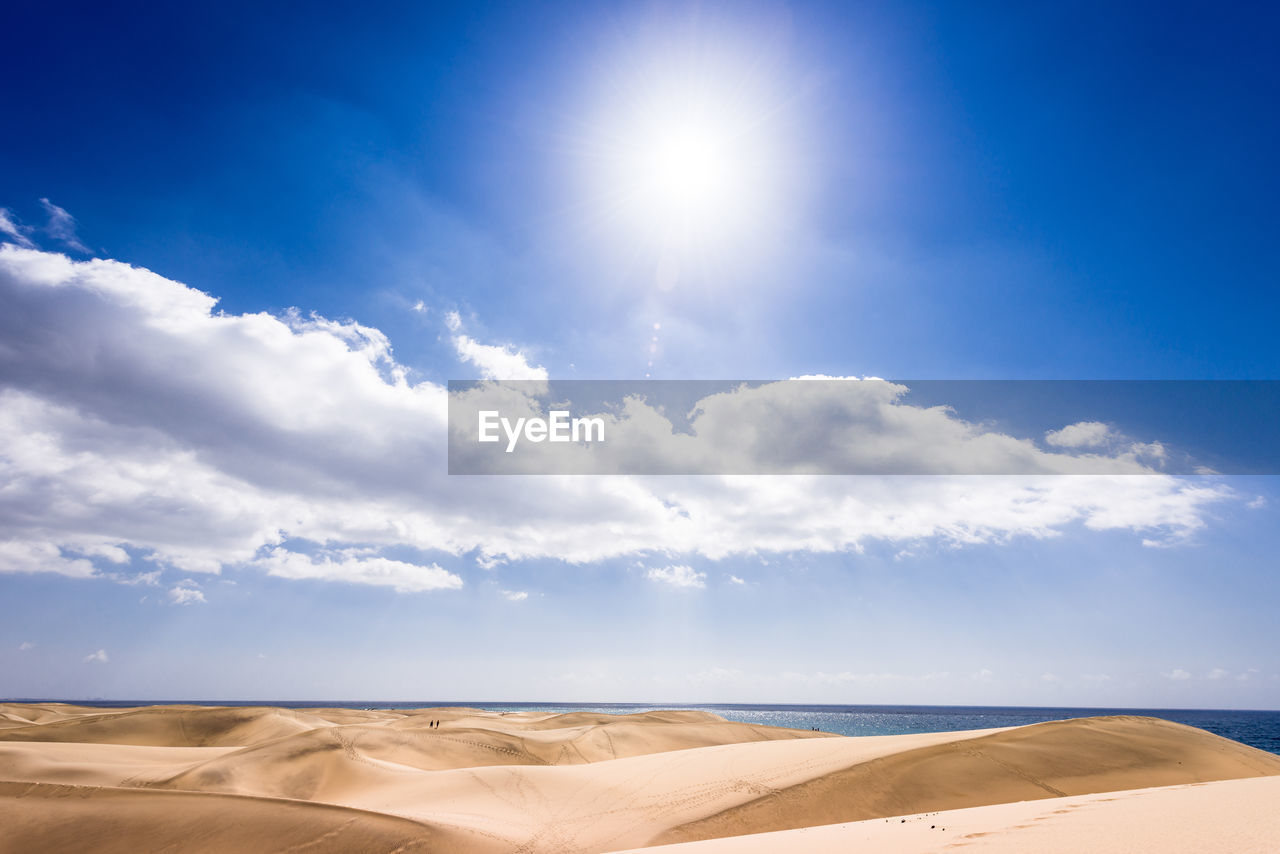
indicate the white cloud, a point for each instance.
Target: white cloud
{"x":400,"y":575}
{"x":26,"y":555}
{"x":100,"y":656}
{"x":815,"y":426}
{"x":15,"y":231}
{"x":26,"y":645}
{"x":733,"y":579}
{"x":186,"y":594}
{"x":1049,"y":677}
{"x":1082,"y":434}
{"x":1218,"y":673}
{"x":496,"y":362}
{"x":1178,"y":675}
{"x":137,"y":420}
{"x":678,"y":576}
{"x":515,"y":595}
{"x":62,"y":227}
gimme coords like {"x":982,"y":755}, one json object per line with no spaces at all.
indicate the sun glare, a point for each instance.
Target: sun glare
{"x":691,"y":168}
{"x":687,"y":175}
{"x":687,"y":172}
{"x":687,"y":155}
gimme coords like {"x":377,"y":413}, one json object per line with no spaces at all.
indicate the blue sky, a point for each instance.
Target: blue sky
{"x":911,"y":190}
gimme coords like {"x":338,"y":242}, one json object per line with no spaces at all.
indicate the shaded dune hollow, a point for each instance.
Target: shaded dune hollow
{"x":224,"y":779}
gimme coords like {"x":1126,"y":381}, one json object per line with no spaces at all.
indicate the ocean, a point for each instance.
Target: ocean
{"x":1259,"y":729}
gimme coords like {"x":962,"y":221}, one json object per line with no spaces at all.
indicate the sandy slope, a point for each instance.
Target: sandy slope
{"x":1040,"y":761}
{"x":39,"y":817}
{"x":1229,"y":816}
{"x":487,"y":782}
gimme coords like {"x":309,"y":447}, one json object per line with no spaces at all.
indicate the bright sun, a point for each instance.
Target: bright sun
{"x":687,"y":172}
{"x":689,"y":175}
{"x":688,"y":154}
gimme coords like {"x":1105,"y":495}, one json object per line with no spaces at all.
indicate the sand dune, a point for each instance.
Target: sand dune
{"x":1039,"y":761}
{"x":169,"y":726}
{"x":532,"y":782}
{"x":1236,"y":816}
{"x":39,"y":817}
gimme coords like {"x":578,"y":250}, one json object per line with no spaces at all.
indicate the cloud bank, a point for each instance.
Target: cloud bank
{"x":140,"y":427}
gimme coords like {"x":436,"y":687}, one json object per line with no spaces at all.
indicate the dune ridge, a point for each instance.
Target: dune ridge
{"x":468,"y":780}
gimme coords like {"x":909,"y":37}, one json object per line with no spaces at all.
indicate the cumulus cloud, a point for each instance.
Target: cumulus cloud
{"x":733,"y":579}
{"x":678,"y":576}
{"x":62,"y":227}
{"x":809,"y":425}
{"x":186,"y":593}
{"x":404,"y":577}
{"x":1082,"y":434}
{"x":515,"y":595}
{"x":100,"y":657}
{"x":1178,"y":675}
{"x":137,"y":420}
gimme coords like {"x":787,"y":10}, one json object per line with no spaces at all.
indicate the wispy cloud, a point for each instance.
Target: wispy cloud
{"x":100,"y":657}
{"x":15,"y":231}
{"x":515,"y":595}
{"x":62,"y":227}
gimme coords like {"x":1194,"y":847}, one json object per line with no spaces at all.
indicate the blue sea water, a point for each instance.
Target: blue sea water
{"x":1259,"y":729}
